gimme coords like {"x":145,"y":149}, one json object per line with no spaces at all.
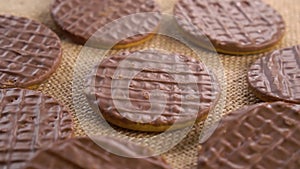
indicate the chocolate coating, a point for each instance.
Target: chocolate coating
{"x":277,"y":76}
{"x":200,"y":90}
{"x":78,"y":153}
{"x":29,"y":120}
{"x":232,"y":26}
{"x":260,"y":136}
{"x":81,"y":19}
{"x":29,"y":52}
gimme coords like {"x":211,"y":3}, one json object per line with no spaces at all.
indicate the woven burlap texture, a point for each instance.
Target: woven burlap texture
{"x":183,"y":155}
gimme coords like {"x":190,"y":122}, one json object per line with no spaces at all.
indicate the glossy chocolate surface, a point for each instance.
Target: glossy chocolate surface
{"x":29,"y":120}
{"x":277,"y":75}
{"x":29,"y":52}
{"x":261,"y":136}
{"x":198,"y":92}
{"x":81,"y":19}
{"x":78,"y":153}
{"x":232,"y":26}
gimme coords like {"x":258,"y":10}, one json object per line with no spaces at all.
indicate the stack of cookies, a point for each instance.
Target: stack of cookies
{"x":148,"y":90}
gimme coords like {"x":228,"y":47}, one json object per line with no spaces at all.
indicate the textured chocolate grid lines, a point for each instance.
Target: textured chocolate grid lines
{"x":277,"y":75}
{"x":95,"y":156}
{"x":260,"y":136}
{"x":99,"y":85}
{"x":241,"y":25}
{"x":182,"y":156}
{"x":29,"y":121}
{"x":29,"y":52}
{"x":82,"y":19}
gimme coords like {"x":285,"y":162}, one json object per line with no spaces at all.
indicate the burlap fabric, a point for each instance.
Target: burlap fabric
{"x":184,"y":155}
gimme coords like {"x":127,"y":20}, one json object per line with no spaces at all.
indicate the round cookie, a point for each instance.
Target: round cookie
{"x":276,"y":77}
{"x":82,"y":19}
{"x":264,"y":135}
{"x":83,"y":152}
{"x":29,"y":52}
{"x":29,"y":120}
{"x":123,"y":88}
{"x":231,"y":26}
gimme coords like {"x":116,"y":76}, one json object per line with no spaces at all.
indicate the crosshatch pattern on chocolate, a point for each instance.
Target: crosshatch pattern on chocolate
{"x":29,"y":120}
{"x":29,"y":52}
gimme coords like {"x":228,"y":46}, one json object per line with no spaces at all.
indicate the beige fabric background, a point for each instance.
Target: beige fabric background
{"x":184,"y":154}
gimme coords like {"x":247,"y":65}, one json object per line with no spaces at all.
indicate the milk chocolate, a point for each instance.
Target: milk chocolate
{"x":82,"y":19}
{"x":276,"y":77}
{"x":197,"y":93}
{"x":29,"y":52}
{"x":231,"y":26}
{"x":29,"y":120}
{"x":264,"y":136}
{"x":82,"y":152}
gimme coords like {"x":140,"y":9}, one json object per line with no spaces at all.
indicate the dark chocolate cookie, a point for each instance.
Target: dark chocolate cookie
{"x":263,"y":136}
{"x":82,"y":152}
{"x":276,"y":76}
{"x":29,"y":120}
{"x":231,"y":26}
{"x":29,"y":52}
{"x":82,"y":19}
{"x":123,"y":87}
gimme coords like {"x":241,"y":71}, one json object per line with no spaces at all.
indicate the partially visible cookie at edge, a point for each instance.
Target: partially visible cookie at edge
{"x":264,"y":136}
{"x":29,"y":120}
{"x":188,"y":99}
{"x":230,"y":26}
{"x":82,"y":152}
{"x":84,"y":21}
{"x":276,"y":76}
{"x":29,"y":52}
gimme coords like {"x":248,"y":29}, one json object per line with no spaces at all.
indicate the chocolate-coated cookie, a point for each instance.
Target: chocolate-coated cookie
{"x":231,"y":26}
{"x":263,"y":136}
{"x":82,"y":152}
{"x":29,"y":120}
{"x":152,"y":90}
{"x":29,"y":52}
{"x":82,"y":19}
{"x":276,"y":77}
